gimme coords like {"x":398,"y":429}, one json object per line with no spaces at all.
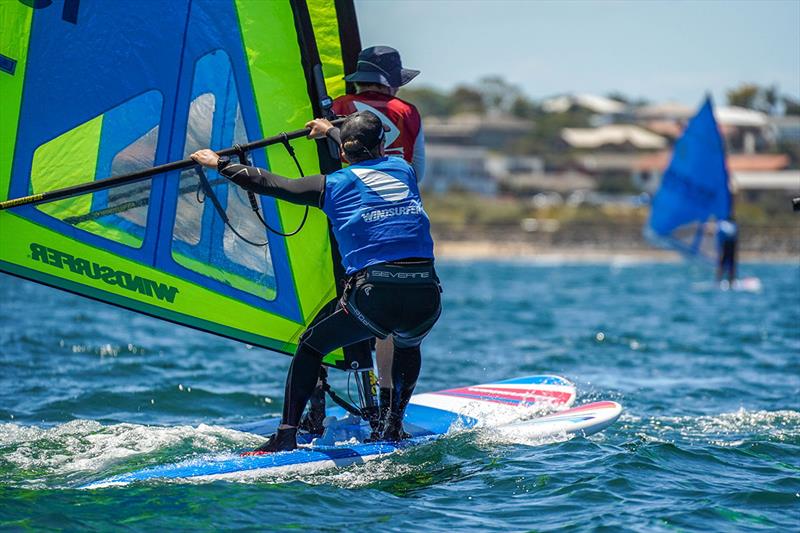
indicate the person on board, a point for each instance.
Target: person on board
{"x":727,"y":238}
{"x":386,"y":247}
{"x":379,"y":75}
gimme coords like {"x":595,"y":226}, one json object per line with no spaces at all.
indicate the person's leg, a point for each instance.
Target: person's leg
{"x":328,"y":333}
{"x":311,"y":422}
{"x":405,"y":372}
{"x":334,"y":331}
{"x":421,"y":310}
{"x":384,"y":355}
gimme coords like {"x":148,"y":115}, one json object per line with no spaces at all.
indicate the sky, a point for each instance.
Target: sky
{"x":661,"y":51}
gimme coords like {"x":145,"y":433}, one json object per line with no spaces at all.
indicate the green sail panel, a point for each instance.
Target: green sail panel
{"x":134,"y":93}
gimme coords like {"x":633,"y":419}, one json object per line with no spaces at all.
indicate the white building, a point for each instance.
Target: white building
{"x":451,"y":167}
{"x":613,"y":135}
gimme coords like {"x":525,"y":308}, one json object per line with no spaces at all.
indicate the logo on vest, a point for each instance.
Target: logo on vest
{"x":384,"y":185}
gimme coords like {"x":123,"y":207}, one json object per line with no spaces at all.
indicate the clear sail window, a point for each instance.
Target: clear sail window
{"x":120,"y":141}
{"x":202,"y":242}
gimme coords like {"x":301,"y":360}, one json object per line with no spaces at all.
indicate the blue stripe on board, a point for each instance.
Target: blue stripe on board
{"x":211,"y":466}
{"x":537,"y":380}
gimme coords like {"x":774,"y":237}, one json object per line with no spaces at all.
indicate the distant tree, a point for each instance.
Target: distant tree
{"x":466,"y":100}
{"x":619,"y":97}
{"x":498,"y":94}
{"x":743,"y":96}
{"x":771,"y":98}
{"x":429,"y":101}
{"x":545,"y":138}
{"x":631,"y":101}
{"x":791,"y":106}
{"x":521,"y":107}
{"x":752,"y":96}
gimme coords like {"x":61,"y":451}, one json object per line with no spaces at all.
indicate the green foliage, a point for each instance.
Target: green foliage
{"x":743,"y":96}
{"x":436,"y":103}
{"x":467,"y":209}
{"x":497,"y":94}
{"x":620,"y":97}
{"x":791,"y":105}
{"x":467,"y":100}
{"x":430,"y":102}
{"x":752,"y":96}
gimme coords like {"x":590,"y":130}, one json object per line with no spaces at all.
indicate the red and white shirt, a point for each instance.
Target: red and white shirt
{"x":404,"y":138}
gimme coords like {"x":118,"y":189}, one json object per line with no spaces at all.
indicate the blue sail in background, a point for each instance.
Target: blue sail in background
{"x":694,"y":188}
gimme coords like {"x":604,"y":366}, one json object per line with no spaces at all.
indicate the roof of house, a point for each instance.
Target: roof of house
{"x":602,"y":162}
{"x":665,"y":110}
{"x":613,"y":134}
{"x":592,"y":102}
{"x":469,"y":123}
{"x":454,"y":151}
{"x":740,"y":116}
{"x":550,"y":181}
{"x":736,"y":162}
{"x":725,"y":115}
{"x":665,"y":127}
{"x":788,"y":180}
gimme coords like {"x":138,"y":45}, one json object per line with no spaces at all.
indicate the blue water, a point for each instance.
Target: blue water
{"x":709,"y":440}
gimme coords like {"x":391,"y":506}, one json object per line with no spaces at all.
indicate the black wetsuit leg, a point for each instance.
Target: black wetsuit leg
{"x":727,"y":268}
{"x":333,"y":328}
{"x":407,"y":311}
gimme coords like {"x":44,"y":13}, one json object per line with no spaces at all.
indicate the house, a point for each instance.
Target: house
{"x":457,"y":150}
{"x":617,"y":137}
{"x":456,"y":167}
{"x":753,"y":176}
{"x":604,"y":110}
{"x":785,"y":129}
{"x":493,"y":131}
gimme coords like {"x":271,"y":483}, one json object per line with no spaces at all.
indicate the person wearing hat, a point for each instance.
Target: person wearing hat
{"x":379,"y":74}
{"x":383,"y":234}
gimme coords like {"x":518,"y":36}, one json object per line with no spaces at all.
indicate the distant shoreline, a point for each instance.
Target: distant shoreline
{"x":485,"y":249}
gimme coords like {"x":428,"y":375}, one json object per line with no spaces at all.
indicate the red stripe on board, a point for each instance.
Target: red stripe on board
{"x":589,"y":407}
{"x":520,"y":396}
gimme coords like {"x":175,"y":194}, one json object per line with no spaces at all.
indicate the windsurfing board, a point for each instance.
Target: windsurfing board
{"x":748,"y":284}
{"x":429,"y":416}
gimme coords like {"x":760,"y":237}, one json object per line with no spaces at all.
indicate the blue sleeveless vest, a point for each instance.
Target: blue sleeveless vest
{"x":376,"y":213}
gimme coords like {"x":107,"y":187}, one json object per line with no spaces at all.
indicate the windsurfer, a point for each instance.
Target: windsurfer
{"x":387,"y":251}
{"x":379,"y":75}
{"x":727,"y":236}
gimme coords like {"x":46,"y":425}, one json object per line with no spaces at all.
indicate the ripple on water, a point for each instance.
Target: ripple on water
{"x":709,"y":439}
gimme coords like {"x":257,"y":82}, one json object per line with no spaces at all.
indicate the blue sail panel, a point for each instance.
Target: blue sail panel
{"x":694,"y":187}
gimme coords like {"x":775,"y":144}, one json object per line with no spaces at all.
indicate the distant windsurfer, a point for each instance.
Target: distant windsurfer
{"x":387,"y":251}
{"x":727,"y":237}
{"x":379,"y":75}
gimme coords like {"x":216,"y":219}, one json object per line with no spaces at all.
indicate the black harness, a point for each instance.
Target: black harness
{"x":394,"y":273}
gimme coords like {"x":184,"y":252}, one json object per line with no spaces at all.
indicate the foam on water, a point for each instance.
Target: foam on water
{"x":725,"y":429}
{"x":87,"y":447}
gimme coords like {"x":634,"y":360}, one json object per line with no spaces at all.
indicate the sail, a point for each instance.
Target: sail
{"x":694,"y":188}
{"x":93,"y":89}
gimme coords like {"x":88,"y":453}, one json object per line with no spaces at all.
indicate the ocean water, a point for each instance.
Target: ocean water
{"x":709,"y":439}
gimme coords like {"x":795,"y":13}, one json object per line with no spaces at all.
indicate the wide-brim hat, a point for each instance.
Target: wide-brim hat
{"x":382,"y":65}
